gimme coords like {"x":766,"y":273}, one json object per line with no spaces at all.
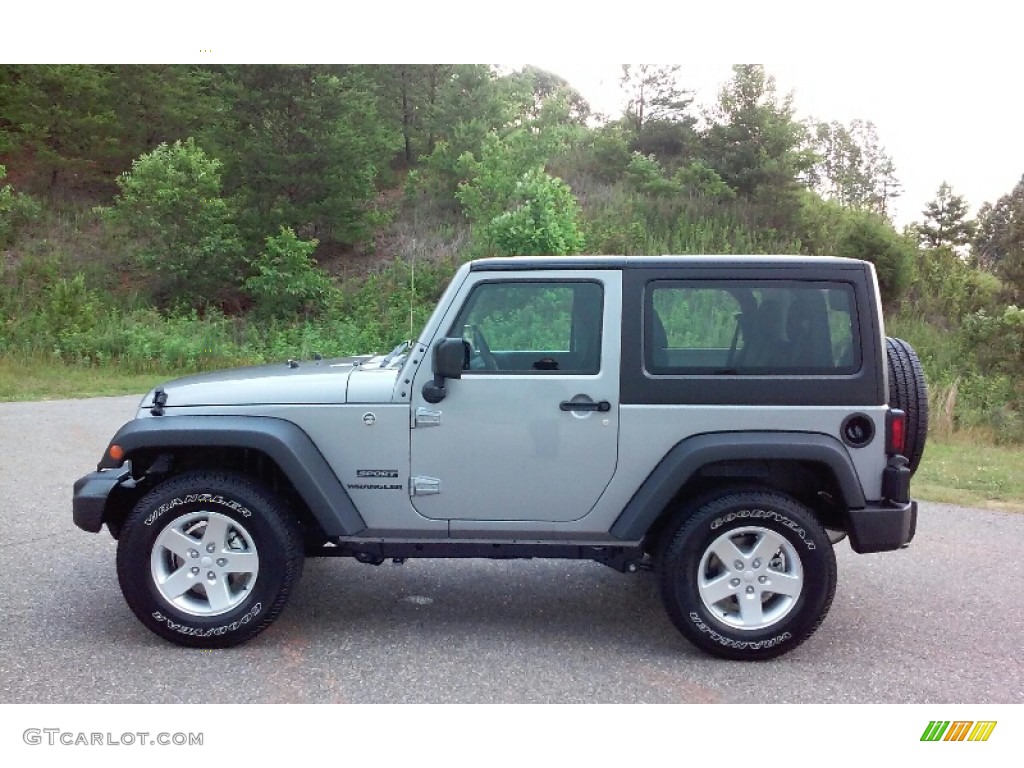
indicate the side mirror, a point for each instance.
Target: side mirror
{"x":449,"y":358}
{"x":448,"y":363}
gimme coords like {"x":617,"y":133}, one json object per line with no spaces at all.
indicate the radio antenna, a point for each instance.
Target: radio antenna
{"x":412,"y":289}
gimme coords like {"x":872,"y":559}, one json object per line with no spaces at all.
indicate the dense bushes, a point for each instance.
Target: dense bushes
{"x":867,"y":235}
{"x":998,"y":340}
{"x":946,"y":288}
{"x":828,"y":228}
{"x":966,"y":391}
{"x":619,"y":219}
{"x":51,"y":317}
{"x":16,"y":211}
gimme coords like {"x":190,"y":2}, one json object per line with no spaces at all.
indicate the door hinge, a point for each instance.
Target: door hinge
{"x":424,"y":417}
{"x":424,"y":486}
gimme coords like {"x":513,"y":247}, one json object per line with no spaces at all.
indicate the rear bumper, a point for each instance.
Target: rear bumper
{"x":882,"y":527}
{"x":91,"y":494}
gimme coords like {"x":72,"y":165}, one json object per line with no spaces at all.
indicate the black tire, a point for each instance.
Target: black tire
{"x":743,"y":519}
{"x":908,"y":391}
{"x":262,"y":539}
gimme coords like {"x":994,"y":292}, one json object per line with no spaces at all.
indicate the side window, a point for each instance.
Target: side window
{"x":533,"y":327}
{"x":750,"y":328}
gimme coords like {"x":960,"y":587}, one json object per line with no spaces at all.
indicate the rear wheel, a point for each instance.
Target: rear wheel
{"x":908,"y":391}
{"x":750,"y":575}
{"x":209,"y":559}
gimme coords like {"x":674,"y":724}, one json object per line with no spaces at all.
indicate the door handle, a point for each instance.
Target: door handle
{"x":569,"y":405}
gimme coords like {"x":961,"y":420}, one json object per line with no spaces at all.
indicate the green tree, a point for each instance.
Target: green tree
{"x":476,"y":94}
{"x":399,"y":102}
{"x":879,"y":170}
{"x":170,"y":202}
{"x":492,"y":181}
{"x":653,"y":93}
{"x":62,"y":117}
{"x":851,"y":166}
{"x":287,"y":281}
{"x":945,"y":221}
{"x":657,"y":112}
{"x":999,"y":242}
{"x":408,"y":100}
{"x":157,"y":104}
{"x":303,"y":147}
{"x":548,"y":89}
{"x":79,"y":126}
{"x":545,"y":220}
{"x":756,"y":146}
{"x":489,"y":177}
{"x":837,"y":173}
{"x":472,"y":104}
{"x":673,"y":143}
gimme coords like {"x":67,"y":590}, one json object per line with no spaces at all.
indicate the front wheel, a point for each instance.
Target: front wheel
{"x":208,"y":559}
{"x":750,"y":575}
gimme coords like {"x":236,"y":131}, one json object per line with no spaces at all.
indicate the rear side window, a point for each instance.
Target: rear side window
{"x":756,"y":327}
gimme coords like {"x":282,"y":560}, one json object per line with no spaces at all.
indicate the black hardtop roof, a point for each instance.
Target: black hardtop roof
{"x":518,"y":263}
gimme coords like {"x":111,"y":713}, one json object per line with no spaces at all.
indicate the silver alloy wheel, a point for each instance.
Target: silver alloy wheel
{"x":750,"y":578}
{"x":204,"y":563}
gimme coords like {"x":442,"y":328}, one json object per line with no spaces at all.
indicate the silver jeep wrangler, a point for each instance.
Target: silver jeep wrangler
{"x":721,"y":420}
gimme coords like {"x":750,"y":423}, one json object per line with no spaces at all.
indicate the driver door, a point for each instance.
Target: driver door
{"x":530,"y":431}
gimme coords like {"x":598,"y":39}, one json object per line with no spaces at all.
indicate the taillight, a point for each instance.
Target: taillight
{"x":896,"y":428}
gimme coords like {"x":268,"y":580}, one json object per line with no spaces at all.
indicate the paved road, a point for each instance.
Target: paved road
{"x":940,"y":622}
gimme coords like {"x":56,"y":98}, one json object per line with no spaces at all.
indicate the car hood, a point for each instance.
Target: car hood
{"x":307,"y":382}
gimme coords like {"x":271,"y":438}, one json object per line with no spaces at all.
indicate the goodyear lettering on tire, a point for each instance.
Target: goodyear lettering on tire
{"x":763,"y":514}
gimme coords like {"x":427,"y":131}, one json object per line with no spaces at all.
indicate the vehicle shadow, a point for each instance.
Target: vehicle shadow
{"x":572,"y":601}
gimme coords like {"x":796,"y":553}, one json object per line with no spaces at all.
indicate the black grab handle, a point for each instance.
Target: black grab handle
{"x":602,"y":406}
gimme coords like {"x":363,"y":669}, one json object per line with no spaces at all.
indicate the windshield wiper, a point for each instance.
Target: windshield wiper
{"x":394,"y":353}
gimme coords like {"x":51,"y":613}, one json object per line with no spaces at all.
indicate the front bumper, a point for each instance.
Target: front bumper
{"x":92,"y":493}
{"x":882,"y":527}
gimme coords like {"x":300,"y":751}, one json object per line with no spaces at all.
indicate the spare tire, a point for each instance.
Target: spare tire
{"x":908,"y":391}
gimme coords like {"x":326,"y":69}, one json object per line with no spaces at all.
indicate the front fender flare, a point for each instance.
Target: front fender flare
{"x":689,"y":455}
{"x":282,"y":441}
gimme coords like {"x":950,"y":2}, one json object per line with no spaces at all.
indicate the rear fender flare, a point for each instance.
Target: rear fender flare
{"x":688,"y":456}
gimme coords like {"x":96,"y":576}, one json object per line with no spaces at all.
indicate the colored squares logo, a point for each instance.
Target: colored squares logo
{"x":958,"y":730}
